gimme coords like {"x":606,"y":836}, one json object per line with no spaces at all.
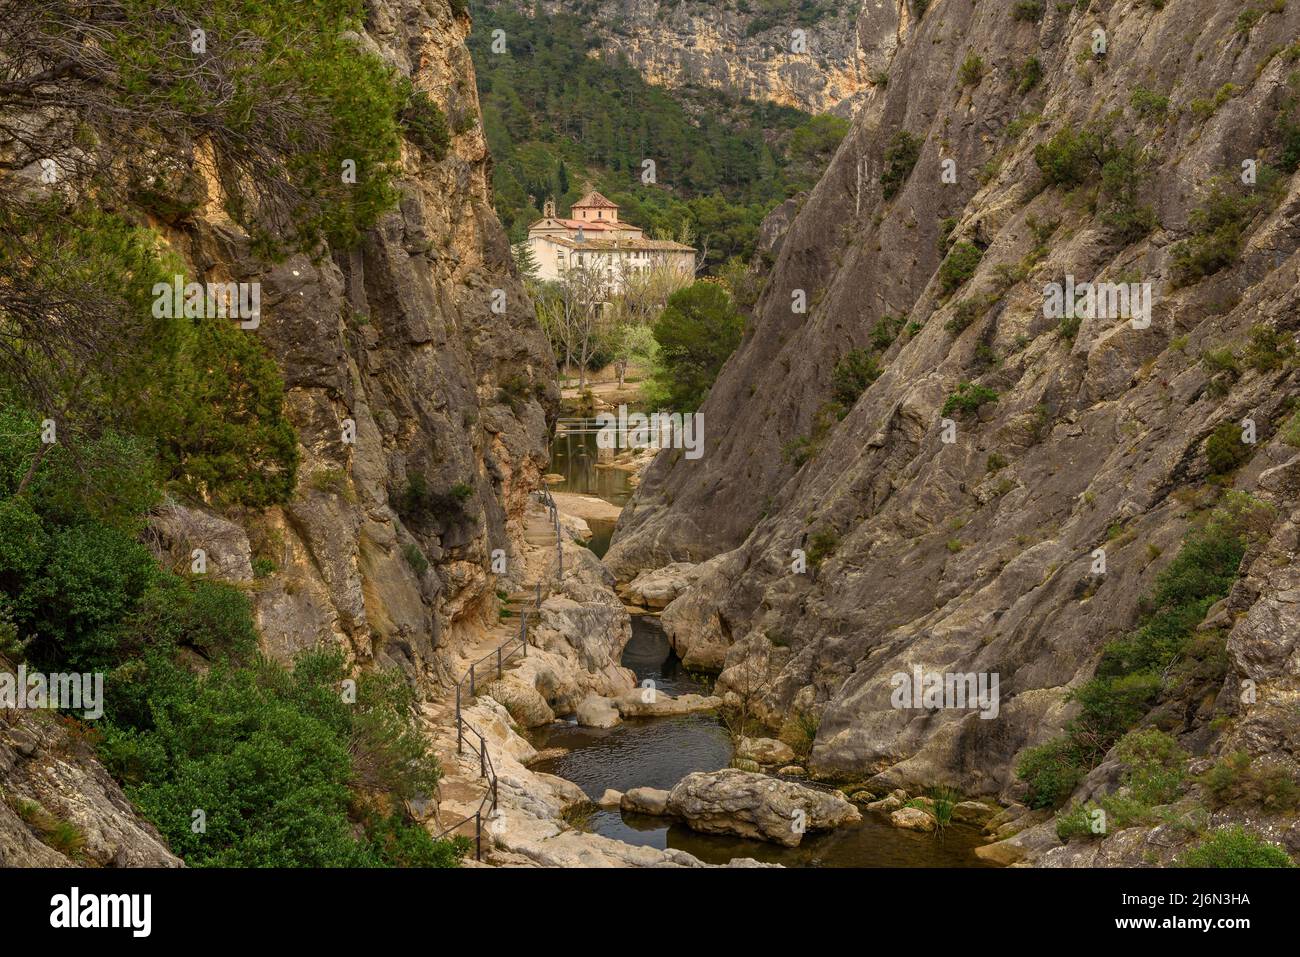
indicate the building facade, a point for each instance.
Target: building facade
{"x":593,"y":238}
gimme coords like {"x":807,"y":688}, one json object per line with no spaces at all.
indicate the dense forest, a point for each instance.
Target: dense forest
{"x":559,"y":119}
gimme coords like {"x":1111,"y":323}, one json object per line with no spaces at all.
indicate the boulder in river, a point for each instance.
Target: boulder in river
{"x":974,"y":813}
{"x":645,"y":801}
{"x":596,"y":712}
{"x":757,"y":806}
{"x":650,"y":703}
{"x":913,"y":819}
{"x":765,"y":750}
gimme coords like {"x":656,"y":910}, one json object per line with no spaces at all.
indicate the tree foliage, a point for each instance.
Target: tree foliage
{"x":558,"y":120}
{"x":698,"y":329}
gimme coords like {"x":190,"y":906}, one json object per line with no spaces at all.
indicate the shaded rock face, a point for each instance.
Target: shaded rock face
{"x":395,"y":340}
{"x":927,"y":557}
{"x":735,"y":48}
{"x":756,"y":806}
{"x":59,"y":806}
{"x":395,"y":367}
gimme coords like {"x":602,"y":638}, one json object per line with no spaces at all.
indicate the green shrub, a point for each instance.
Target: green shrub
{"x":852,"y":375}
{"x":1157,"y":766}
{"x":821,"y":546}
{"x":1052,"y":771}
{"x":884,"y":332}
{"x":1218,"y":227}
{"x":1224,"y":449}
{"x":1029,"y":74}
{"x":1074,"y":158}
{"x":1221,"y":361}
{"x":1148,"y":103}
{"x":1030,"y":11}
{"x":996,"y":462}
{"x":967,"y":311}
{"x":958,"y":266}
{"x":425,"y":125}
{"x":901,"y":155}
{"x":799,"y":731}
{"x":1075,"y":822}
{"x":1237,"y":781}
{"x":1107,"y":708}
{"x":271,"y":757}
{"x":1234,"y":847}
{"x":968,"y":398}
{"x":1068,"y":327}
{"x":972,"y":70}
{"x":415,"y":558}
{"x":1130,"y":673}
{"x":1291,"y":431}
{"x":420,"y":504}
{"x":1268,"y":349}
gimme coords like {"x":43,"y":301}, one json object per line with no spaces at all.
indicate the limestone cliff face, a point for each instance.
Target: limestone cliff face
{"x":395,"y":341}
{"x":733,"y":47}
{"x":397,"y":337}
{"x":932,"y":557}
{"x":49,"y":779}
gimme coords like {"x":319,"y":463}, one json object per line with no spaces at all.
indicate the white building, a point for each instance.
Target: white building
{"x":594,"y":238}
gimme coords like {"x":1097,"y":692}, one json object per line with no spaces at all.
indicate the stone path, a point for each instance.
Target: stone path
{"x":463,"y":787}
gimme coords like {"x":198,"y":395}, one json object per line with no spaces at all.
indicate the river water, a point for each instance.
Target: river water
{"x":575,"y":456}
{"x":659,"y":752}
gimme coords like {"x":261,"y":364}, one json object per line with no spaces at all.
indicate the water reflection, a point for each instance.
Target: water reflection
{"x":659,"y":752}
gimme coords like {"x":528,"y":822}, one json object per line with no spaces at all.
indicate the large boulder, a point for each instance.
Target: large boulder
{"x":525,"y":704}
{"x":658,"y":587}
{"x":765,"y":750}
{"x":757,"y":806}
{"x":913,"y":819}
{"x":645,"y":801}
{"x":595,"y":711}
{"x":178,"y":532}
{"x":650,"y":703}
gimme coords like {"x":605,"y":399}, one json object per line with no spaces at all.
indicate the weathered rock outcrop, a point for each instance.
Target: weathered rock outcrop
{"x":756,"y":806}
{"x":396,"y":340}
{"x":421,"y":421}
{"x":60,"y":808}
{"x":975,"y":556}
{"x":743,"y":50}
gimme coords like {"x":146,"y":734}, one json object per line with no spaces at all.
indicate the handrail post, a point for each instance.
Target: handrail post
{"x":459,"y":731}
{"x":478,"y":835}
{"x":498,"y":662}
{"x":482,"y":757}
{"x":472,"y":692}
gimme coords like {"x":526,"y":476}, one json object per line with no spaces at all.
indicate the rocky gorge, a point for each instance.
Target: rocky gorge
{"x":929,"y":243}
{"x":1066,"y":504}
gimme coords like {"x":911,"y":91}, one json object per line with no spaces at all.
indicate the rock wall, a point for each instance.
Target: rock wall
{"x":397,"y":336}
{"x":59,"y":807}
{"x":929,"y":554}
{"x":396,"y":339}
{"x":734,"y":47}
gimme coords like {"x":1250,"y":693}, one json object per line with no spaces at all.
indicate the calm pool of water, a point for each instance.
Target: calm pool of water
{"x":659,"y":752}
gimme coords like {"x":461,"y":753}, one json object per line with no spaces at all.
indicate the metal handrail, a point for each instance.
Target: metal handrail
{"x":486,"y":769}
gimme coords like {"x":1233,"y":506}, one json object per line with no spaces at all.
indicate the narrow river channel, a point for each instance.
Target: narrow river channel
{"x":659,"y":752}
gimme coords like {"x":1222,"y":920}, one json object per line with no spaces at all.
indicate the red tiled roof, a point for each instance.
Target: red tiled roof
{"x":594,"y":200}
